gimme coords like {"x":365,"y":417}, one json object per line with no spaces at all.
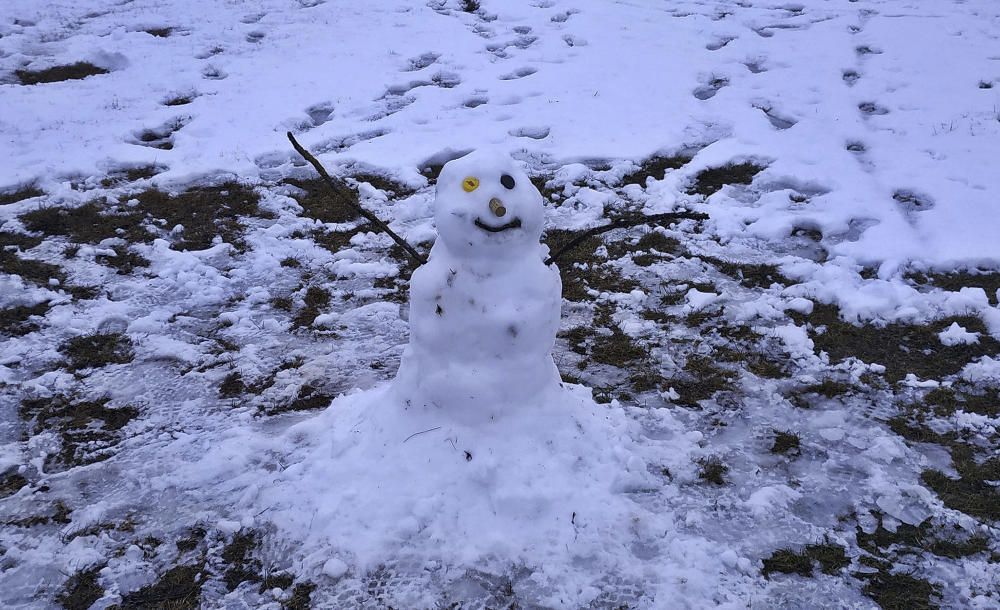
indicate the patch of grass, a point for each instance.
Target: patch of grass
{"x":75,"y":71}
{"x":900,"y":591}
{"x":752,"y":359}
{"x":130,"y":174}
{"x":617,"y":348}
{"x":205,"y":213}
{"x":291,"y":262}
{"x":713,"y":471}
{"x":924,"y":537}
{"x":828,"y":388}
{"x":81,"y":590}
{"x":550,"y":194}
{"x":764,"y":365}
{"x":301,"y":597}
{"x":310,"y":396}
{"x":974,"y":492}
{"x":805,"y":397}
{"x":656,"y":168}
{"x":20,"y":241}
{"x":581,"y":268}
{"x":16,"y":321}
{"x":750,"y":275}
{"x":901,"y":348}
{"x":785,"y":442}
{"x":988,"y":280}
{"x":279,"y":580}
{"x":36,"y":272}
{"x":282,"y":303}
{"x":319,"y":203}
{"x":88,"y":429}
{"x":335,"y":241}
{"x":654,"y":246}
{"x":945,"y":401}
{"x":232,"y":386}
{"x":710,"y":181}
{"x":700,"y":380}
{"x":178,"y":589}
{"x":125,"y":260}
{"x":163,"y":32}
{"x":787,"y":561}
{"x":314,"y":301}
{"x":11,"y":483}
{"x":179,"y":100}
{"x":89,"y":223}
{"x":20,"y":193}
{"x":60,"y":514}
{"x":396,"y":190}
{"x":238,"y":555}
{"x":192,"y":540}
{"x":97,"y":350}
{"x":832,"y":558}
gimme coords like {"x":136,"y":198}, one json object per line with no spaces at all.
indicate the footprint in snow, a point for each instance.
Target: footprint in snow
{"x":213,"y":73}
{"x":709,"y":90}
{"x":159,"y":137}
{"x":535,"y":133}
{"x":871,"y":108}
{"x":563,"y":16}
{"x":210,"y":52}
{"x":179,"y":98}
{"x":475,"y":102}
{"x":519,"y":73}
{"x":421,"y":61}
{"x":719,"y":43}
{"x":778,"y":120}
{"x":856,"y":147}
{"x":912,"y":201}
{"x":445,"y":80}
{"x":850,"y":77}
{"x":390,"y":105}
{"x":318,"y":115}
{"x":344,"y":142}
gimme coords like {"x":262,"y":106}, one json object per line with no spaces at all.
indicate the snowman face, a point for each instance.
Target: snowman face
{"x":487,"y":206}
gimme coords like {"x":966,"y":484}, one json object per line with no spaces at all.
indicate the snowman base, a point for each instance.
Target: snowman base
{"x":369,"y":480}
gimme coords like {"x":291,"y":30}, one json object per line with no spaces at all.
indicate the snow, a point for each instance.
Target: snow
{"x":876,"y":131}
{"x":957,"y":335}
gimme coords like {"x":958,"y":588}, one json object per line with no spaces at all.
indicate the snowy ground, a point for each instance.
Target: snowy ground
{"x":814,"y":372}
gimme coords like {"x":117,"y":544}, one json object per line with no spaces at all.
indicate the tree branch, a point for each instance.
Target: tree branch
{"x":624,"y":223}
{"x":341,"y":191}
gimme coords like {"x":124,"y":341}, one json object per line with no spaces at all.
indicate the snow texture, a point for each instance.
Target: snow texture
{"x":255,"y":396}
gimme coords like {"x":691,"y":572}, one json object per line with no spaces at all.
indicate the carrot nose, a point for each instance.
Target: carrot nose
{"x":496,"y":206}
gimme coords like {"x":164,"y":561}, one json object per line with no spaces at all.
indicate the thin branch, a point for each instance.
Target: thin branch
{"x":342,"y":192}
{"x":624,"y":223}
{"x":421,"y":432}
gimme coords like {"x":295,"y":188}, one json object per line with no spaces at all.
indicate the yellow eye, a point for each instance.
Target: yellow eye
{"x":470,"y":184}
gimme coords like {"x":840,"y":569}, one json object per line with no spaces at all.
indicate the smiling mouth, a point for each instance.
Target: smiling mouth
{"x":514,"y":224}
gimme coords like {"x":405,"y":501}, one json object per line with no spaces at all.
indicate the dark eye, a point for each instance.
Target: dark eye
{"x":507,"y":180}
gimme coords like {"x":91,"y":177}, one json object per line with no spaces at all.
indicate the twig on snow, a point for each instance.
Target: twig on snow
{"x":624,"y":223}
{"x":341,"y":191}
{"x":421,"y":432}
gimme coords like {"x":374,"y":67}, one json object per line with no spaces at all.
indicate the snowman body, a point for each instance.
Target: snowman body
{"x":485,"y":309}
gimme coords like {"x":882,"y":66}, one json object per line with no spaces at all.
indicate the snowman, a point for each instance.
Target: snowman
{"x":484,"y":309}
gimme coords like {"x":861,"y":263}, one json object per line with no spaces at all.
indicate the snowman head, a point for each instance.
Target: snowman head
{"x":487,"y":207}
